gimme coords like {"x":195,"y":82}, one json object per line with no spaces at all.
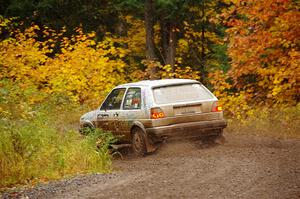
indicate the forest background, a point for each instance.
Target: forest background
{"x":60,"y":58}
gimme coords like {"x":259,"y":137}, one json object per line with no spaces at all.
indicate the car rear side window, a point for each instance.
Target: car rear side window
{"x":132,"y":99}
{"x":181,"y":93}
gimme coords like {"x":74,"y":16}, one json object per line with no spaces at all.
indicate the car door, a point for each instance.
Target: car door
{"x":130,"y":111}
{"x":106,"y":117}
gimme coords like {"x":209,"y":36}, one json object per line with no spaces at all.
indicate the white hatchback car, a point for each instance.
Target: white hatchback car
{"x":147,"y":112}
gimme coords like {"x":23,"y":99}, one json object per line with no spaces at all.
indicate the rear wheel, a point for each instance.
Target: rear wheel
{"x":138,"y":142}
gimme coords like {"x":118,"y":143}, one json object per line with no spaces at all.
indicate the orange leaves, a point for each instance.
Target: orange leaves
{"x":263,"y":49}
{"x":236,"y":104}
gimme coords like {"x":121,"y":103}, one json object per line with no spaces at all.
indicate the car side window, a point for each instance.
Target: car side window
{"x":132,"y":99}
{"x":114,"y":100}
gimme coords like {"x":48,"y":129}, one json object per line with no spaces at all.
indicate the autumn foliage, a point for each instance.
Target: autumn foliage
{"x":77,"y":66}
{"x":246,"y":52}
{"x":262,"y":41}
{"x":262,"y":67}
{"x":265,"y":51}
{"x":265,"y":59}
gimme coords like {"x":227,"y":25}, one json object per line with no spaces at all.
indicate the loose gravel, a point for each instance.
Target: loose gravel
{"x":243,"y":167}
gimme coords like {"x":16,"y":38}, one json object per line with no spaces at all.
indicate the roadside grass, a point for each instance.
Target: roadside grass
{"x":40,"y":141}
{"x":33,"y":151}
{"x":276,"y":122}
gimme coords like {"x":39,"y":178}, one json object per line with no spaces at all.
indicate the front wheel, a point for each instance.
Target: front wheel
{"x":138,"y":142}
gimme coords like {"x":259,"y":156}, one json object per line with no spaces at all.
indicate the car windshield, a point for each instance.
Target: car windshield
{"x":181,"y":93}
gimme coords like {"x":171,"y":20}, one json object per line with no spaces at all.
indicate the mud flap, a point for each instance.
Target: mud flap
{"x":220,"y":139}
{"x":149,"y":145}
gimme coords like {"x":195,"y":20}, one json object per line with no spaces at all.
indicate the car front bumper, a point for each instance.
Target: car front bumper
{"x":187,"y":130}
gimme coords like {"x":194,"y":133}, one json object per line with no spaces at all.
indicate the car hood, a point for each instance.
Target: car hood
{"x":89,"y":116}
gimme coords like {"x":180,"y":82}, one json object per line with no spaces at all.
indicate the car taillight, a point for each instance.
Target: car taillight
{"x":216,"y":107}
{"x":157,"y":113}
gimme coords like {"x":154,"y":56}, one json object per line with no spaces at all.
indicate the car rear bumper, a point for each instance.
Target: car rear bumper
{"x":191,"y":129}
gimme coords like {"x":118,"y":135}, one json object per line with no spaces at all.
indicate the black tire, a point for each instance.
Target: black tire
{"x":138,"y":142}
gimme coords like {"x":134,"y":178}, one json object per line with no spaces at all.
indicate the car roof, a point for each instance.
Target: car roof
{"x":158,"y":83}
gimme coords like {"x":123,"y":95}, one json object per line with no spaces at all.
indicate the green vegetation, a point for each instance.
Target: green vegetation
{"x":39,"y":142}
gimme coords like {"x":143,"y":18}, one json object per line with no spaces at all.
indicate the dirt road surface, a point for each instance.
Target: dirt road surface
{"x":243,"y":167}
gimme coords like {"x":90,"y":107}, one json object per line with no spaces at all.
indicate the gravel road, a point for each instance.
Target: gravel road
{"x":243,"y":167}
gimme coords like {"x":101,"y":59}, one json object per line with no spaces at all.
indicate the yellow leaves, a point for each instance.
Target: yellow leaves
{"x":183,"y":47}
{"x":179,"y":72}
{"x":276,"y":91}
{"x":185,"y":23}
{"x":134,"y":40}
{"x":92,"y":42}
{"x":85,"y":72}
{"x":4,"y":21}
{"x":21,"y":55}
{"x":84,"y":69}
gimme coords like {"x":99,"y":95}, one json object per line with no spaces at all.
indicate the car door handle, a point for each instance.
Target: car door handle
{"x":102,"y":115}
{"x":116,"y":115}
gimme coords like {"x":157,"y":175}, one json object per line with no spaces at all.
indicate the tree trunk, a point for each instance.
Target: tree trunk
{"x":150,"y":45}
{"x":149,"y":23}
{"x":169,"y":40}
{"x":203,"y":56}
{"x":164,"y":32}
{"x":172,"y":47}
